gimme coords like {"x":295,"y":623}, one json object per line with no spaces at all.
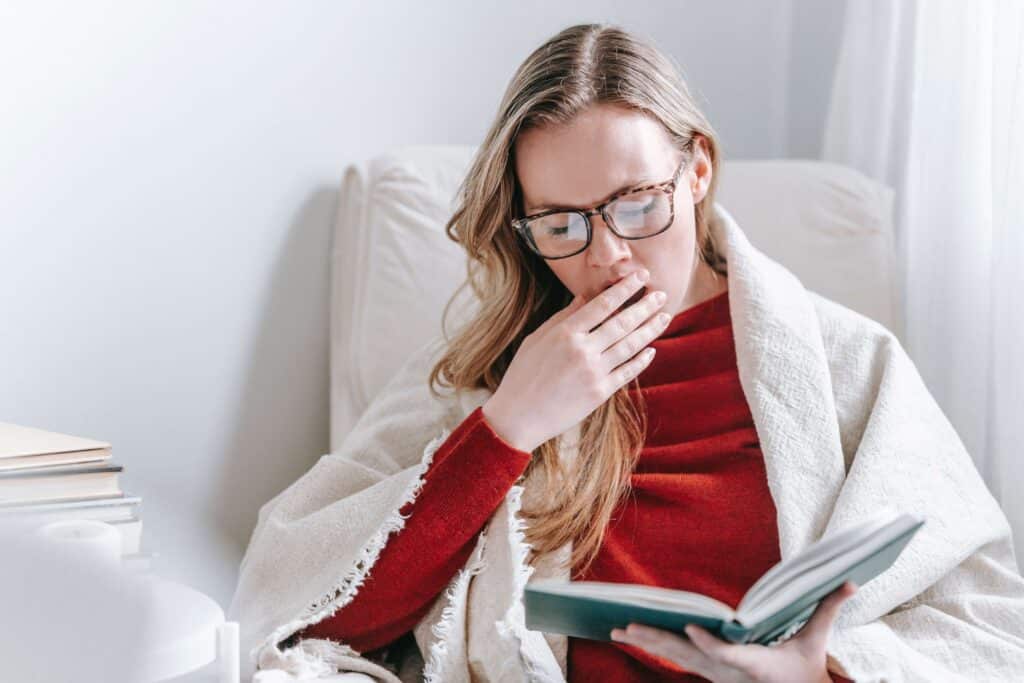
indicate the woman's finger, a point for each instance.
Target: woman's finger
{"x":815,"y":632}
{"x":735,"y":655}
{"x":664,"y":644}
{"x":596,"y":311}
{"x":637,"y":340}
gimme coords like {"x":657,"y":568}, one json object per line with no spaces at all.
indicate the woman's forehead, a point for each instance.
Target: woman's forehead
{"x":591,"y":158}
{"x":582,"y":181}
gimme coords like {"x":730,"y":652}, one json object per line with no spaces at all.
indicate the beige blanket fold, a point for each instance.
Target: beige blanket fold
{"x":846,"y":426}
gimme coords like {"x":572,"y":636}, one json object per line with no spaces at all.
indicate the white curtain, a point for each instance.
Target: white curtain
{"x":928,"y":98}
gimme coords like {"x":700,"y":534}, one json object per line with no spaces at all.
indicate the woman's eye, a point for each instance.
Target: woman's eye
{"x":634,"y":208}
{"x":558,"y":231}
{"x":646,"y":208}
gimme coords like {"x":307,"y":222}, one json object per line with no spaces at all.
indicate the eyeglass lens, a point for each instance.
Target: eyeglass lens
{"x":635,"y":215}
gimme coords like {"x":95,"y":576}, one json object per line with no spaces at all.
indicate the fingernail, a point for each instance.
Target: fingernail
{"x":616,"y":634}
{"x":644,"y":274}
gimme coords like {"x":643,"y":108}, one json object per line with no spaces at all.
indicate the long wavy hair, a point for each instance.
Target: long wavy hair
{"x":577,"y":68}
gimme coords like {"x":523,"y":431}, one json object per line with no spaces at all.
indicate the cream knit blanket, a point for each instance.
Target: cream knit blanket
{"x":846,"y":426}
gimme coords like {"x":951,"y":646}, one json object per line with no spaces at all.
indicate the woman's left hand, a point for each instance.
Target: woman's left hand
{"x":801,"y":659}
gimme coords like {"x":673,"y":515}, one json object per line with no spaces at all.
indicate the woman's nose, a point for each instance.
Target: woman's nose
{"x":605,"y":246}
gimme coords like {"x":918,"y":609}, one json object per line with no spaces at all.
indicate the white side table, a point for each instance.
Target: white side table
{"x":188,"y":631}
{"x":81,"y":615}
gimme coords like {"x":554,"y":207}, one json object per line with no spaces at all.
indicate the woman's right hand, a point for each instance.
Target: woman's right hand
{"x":573,"y":363}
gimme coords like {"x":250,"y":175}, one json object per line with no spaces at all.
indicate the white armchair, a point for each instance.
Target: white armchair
{"x":393,"y":265}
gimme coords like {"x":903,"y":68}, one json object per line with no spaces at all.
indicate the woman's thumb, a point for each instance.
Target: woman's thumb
{"x":820,"y":623}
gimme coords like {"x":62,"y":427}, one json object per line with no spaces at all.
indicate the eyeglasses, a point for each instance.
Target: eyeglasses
{"x":633,"y":214}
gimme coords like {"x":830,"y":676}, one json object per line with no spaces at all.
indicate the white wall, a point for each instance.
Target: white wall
{"x":168,"y":174}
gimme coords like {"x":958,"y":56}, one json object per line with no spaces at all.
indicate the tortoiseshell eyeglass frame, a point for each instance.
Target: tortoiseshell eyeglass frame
{"x":669,"y":187}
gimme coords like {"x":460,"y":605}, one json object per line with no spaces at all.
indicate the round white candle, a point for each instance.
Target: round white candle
{"x":87,"y":539}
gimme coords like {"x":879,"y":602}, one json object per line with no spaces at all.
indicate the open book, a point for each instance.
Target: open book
{"x":774,"y":608}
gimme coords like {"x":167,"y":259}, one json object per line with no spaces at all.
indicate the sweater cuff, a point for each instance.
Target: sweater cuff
{"x":477,"y":416}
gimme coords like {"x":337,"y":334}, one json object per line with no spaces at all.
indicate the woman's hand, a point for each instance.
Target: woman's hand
{"x":573,"y":363}
{"x":801,"y":659}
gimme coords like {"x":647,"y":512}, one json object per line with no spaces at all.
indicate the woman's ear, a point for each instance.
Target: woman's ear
{"x":699,"y":174}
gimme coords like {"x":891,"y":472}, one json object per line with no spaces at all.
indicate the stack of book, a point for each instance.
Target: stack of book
{"x":49,"y":476}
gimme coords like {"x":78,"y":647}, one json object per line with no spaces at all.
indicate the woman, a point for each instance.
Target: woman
{"x":643,"y":397}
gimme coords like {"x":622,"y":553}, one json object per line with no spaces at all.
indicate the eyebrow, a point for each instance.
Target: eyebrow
{"x":643,"y":180}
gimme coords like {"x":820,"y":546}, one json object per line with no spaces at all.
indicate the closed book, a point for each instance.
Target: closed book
{"x":773,"y":609}
{"x":51,"y":484}
{"x":120,"y":506}
{"x":24,"y":447}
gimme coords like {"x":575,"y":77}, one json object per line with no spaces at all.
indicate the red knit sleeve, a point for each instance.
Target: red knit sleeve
{"x":468,"y":477}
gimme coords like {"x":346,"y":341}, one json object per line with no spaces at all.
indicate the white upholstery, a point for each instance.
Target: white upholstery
{"x":393,"y":268}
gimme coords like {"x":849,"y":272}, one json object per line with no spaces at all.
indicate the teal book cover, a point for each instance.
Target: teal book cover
{"x":774,"y":608}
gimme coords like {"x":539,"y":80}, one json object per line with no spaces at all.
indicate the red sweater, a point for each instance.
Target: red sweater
{"x":701,"y":517}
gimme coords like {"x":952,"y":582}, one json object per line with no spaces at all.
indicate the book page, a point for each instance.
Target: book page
{"x":634,"y":594}
{"x":814,"y":555}
{"x":896,"y":533}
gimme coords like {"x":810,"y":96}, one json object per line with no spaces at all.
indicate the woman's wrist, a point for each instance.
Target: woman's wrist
{"x":503,"y":427}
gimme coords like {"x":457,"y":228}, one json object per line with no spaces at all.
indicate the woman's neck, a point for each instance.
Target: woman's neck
{"x":705,"y":284}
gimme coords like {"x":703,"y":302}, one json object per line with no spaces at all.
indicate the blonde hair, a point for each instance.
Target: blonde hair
{"x":579,"y":67}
